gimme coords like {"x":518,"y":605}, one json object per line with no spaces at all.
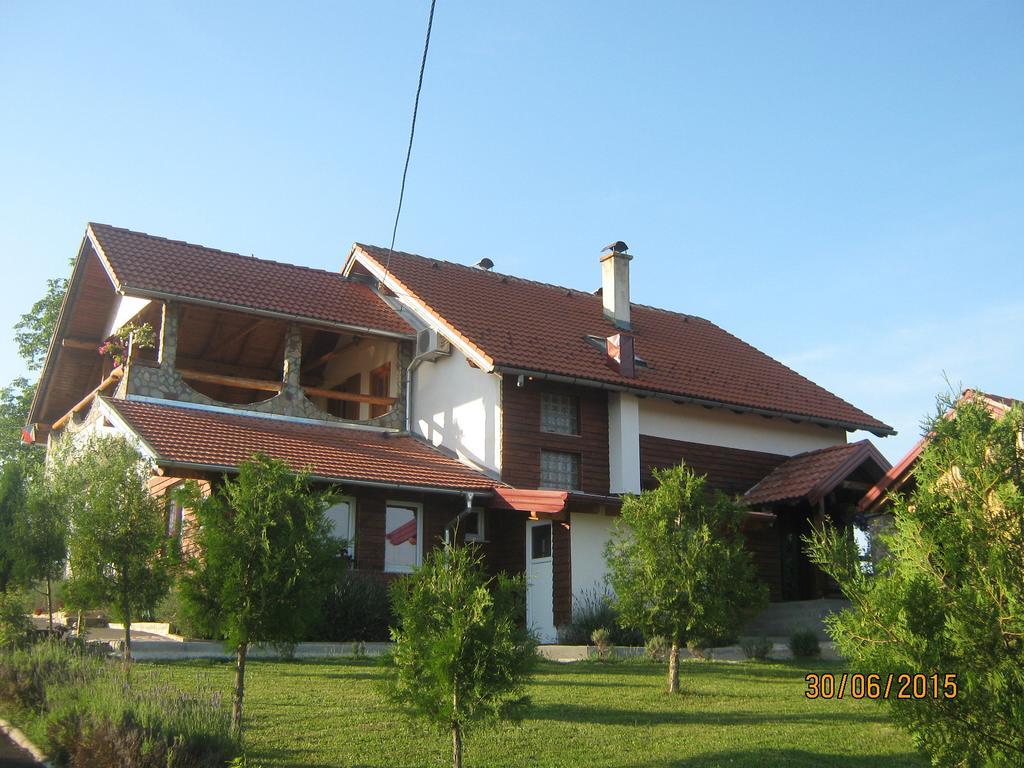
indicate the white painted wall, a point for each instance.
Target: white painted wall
{"x":369,"y":353}
{"x":623,"y":442}
{"x":716,"y":426}
{"x":126,"y":308}
{"x":588,"y":534}
{"x":458,"y":406}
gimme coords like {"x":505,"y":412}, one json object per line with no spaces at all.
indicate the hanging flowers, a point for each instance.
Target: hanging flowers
{"x":130,"y":336}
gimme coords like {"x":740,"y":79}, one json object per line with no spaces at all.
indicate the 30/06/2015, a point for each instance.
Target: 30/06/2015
{"x":828,"y":685}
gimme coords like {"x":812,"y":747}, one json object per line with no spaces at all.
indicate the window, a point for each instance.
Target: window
{"x":342,"y":517}
{"x":402,"y":537}
{"x":380,"y":385}
{"x":540,"y":542}
{"x":559,"y":470}
{"x":559,"y":414}
{"x":472,"y":526}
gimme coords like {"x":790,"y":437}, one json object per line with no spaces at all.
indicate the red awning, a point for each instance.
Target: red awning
{"x":523,"y":500}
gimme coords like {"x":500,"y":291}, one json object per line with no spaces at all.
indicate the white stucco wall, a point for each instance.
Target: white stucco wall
{"x":623,"y":442}
{"x":588,"y":534}
{"x":458,"y":406}
{"x":717,"y":426}
{"x":369,"y":353}
{"x":126,"y":308}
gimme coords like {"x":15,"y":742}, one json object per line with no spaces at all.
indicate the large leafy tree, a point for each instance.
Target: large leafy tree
{"x":12,"y":500}
{"x":462,"y":652}
{"x":33,"y":330}
{"x":948,"y":595}
{"x":678,"y":566}
{"x":261,"y":560}
{"x":32,"y":334}
{"x":118,"y":543}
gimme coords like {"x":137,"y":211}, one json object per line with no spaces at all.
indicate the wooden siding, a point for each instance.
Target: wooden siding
{"x":561,"y":573}
{"x":523,"y":440}
{"x":732,"y":470}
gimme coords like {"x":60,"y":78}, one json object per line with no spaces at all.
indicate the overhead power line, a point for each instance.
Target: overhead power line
{"x":412,"y":135}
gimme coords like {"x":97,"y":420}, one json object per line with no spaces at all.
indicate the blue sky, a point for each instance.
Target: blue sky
{"x":840,"y":184}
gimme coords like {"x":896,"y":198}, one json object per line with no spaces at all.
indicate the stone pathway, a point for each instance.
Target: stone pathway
{"x":13,"y":756}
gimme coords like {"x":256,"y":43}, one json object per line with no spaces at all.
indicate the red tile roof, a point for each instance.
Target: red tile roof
{"x":813,"y":474}
{"x":516,"y":323}
{"x":144,"y":264}
{"x":181,"y":435}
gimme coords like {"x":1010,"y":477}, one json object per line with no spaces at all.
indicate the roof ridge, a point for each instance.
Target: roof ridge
{"x":475,"y":270}
{"x":221,"y":251}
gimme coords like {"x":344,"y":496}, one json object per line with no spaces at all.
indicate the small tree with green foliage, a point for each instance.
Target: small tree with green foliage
{"x":263,"y":555}
{"x":948,"y":595}
{"x":117,"y":543}
{"x":462,"y":652}
{"x":40,"y":535}
{"x":678,"y":565}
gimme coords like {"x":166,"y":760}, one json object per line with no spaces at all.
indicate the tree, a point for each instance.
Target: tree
{"x":12,"y":499}
{"x":118,"y":543}
{"x":39,"y":535}
{"x":462,"y":652}
{"x":947,"y":597}
{"x":262,"y":554}
{"x":15,"y":401}
{"x":33,"y":331}
{"x":678,"y":565}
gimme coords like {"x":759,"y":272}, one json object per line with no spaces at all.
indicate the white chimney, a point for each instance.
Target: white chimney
{"x":615,"y":283}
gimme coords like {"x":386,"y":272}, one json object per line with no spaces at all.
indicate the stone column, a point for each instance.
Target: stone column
{"x":168,"y":353}
{"x":292,"y":363}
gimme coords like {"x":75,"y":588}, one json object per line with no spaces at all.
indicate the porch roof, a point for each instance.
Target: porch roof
{"x":814,"y":474}
{"x":186,"y":437}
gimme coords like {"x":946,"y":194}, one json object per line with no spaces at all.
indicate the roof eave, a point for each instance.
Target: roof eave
{"x":144,"y":293}
{"x":801,"y":417}
{"x":229,"y":469}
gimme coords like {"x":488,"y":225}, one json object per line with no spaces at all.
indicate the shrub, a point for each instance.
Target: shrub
{"x":602,"y":640}
{"x":657,"y":648}
{"x":593,"y":609}
{"x":27,"y":675}
{"x":756,"y":648}
{"x":700,"y":648}
{"x":357,"y":608}
{"x":803,"y":644}
{"x":15,"y":626}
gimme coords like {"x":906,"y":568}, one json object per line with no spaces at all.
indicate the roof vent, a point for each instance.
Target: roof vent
{"x":485,"y":264}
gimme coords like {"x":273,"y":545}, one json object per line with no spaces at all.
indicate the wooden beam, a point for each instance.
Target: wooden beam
{"x":238,"y":382}
{"x":69,"y":343}
{"x":114,"y":376}
{"x":351,"y":397}
{"x":227,"y":369}
{"x":325,"y":358}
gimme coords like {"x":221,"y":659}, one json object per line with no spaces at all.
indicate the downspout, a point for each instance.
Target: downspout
{"x":413,"y":365}
{"x":453,"y":524}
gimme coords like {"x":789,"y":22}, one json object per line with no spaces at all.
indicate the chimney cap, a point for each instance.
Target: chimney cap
{"x":617,"y":247}
{"x":485,"y":264}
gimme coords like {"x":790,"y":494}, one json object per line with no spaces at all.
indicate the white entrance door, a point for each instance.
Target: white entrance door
{"x":539,"y":595}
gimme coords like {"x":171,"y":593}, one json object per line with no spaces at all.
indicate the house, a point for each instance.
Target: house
{"x":900,"y":479}
{"x":449,"y":400}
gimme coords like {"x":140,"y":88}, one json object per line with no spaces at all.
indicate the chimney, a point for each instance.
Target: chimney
{"x":615,"y":283}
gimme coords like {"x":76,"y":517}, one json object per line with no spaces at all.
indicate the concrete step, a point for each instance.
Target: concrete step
{"x":782,"y":619}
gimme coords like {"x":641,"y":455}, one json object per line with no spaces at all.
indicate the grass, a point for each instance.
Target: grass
{"x":331,"y":713}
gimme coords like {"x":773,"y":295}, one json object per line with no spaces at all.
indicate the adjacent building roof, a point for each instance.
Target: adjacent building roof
{"x":513,"y":323}
{"x":149,"y":266}
{"x":812,"y":475}
{"x":203,"y":439}
{"x":898,"y":475}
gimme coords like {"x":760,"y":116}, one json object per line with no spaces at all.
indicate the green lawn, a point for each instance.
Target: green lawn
{"x":331,"y":713}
